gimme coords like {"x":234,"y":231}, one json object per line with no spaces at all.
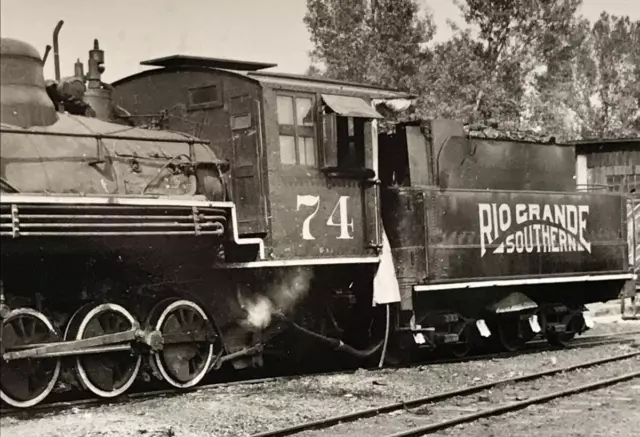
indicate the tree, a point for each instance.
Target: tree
{"x":594,"y":91}
{"x":449,"y":79}
{"x":340,"y":38}
{"x":532,"y":64}
{"x":313,"y":71}
{"x":505,"y":42}
{"x":379,"y":42}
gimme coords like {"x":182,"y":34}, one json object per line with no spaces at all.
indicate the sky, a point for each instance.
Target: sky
{"x":131,"y":31}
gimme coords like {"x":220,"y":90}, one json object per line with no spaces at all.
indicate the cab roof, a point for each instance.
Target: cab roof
{"x":254,"y":71}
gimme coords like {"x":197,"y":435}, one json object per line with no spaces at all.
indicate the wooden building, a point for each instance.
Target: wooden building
{"x":614,"y":164}
{"x":608,"y":163}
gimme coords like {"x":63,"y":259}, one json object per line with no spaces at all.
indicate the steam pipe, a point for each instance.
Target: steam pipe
{"x":385,"y":342}
{"x":333,"y":343}
{"x":47,"y":49}
{"x":246,"y":352}
{"x":56,"y":51}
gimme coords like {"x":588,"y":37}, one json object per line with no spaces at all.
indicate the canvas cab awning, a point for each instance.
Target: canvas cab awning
{"x":350,"y":106}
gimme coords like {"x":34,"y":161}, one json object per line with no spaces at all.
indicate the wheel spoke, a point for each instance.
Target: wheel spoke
{"x":33,"y":329}
{"x":180,"y":316}
{"x":192,"y":318}
{"x":18,"y":328}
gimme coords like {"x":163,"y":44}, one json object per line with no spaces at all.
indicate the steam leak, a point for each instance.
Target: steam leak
{"x":283,"y":294}
{"x":259,"y":312}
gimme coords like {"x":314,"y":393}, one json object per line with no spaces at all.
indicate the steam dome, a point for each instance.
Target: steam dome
{"x":24,"y":100}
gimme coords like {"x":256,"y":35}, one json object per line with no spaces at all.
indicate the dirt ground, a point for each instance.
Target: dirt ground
{"x":609,"y":412}
{"x":243,"y":410}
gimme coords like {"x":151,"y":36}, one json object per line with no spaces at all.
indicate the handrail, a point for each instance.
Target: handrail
{"x":103,"y":136}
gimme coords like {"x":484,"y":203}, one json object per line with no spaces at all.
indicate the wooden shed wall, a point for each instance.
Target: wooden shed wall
{"x":618,"y":168}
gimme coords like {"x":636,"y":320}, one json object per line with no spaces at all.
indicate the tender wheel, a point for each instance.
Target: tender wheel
{"x":509,"y":336}
{"x":188,"y":352}
{"x":25,"y":383}
{"x":463,"y":347}
{"x":573,"y":324}
{"x":106,"y":374}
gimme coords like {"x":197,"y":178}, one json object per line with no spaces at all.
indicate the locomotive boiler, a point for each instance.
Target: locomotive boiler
{"x":105,"y":228}
{"x":209,"y":211}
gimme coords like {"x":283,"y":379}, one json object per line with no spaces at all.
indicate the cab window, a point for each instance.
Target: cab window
{"x":347,"y":126}
{"x":297,"y":129}
{"x":350,"y":142}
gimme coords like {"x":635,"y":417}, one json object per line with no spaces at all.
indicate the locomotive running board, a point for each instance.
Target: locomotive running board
{"x":299,"y":262}
{"x":524,"y":281}
{"x":21,"y":199}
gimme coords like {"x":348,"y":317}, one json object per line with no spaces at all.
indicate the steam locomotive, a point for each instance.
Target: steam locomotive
{"x":208,"y":212}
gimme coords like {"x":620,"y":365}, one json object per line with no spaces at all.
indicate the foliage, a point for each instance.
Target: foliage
{"x":511,"y":38}
{"x":532,"y":65}
{"x":377,"y":42}
{"x":449,"y":81}
{"x":339,"y":34}
{"x":595,"y":91}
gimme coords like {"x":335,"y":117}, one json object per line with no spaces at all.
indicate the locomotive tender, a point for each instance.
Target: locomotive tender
{"x":209,"y":212}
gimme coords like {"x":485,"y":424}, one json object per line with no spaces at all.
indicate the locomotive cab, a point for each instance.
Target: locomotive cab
{"x":302,"y":151}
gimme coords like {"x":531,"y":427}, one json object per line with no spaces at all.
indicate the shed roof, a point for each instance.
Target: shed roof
{"x":606,"y":141}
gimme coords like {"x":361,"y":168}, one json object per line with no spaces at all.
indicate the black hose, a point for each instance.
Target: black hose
{"x":335,"y":344}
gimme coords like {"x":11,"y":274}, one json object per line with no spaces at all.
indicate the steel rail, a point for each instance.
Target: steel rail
{"x":541,"y":345}
{"x":514,"y":406}
{"x":471,"y":389}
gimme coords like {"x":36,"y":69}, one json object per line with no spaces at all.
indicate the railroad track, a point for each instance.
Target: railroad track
{"x":537,"y":346}
{"x":436,"y":400}
{"x":532,"y":347}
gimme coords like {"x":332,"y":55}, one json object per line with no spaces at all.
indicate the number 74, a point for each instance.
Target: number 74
{"x":341,"y":208}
